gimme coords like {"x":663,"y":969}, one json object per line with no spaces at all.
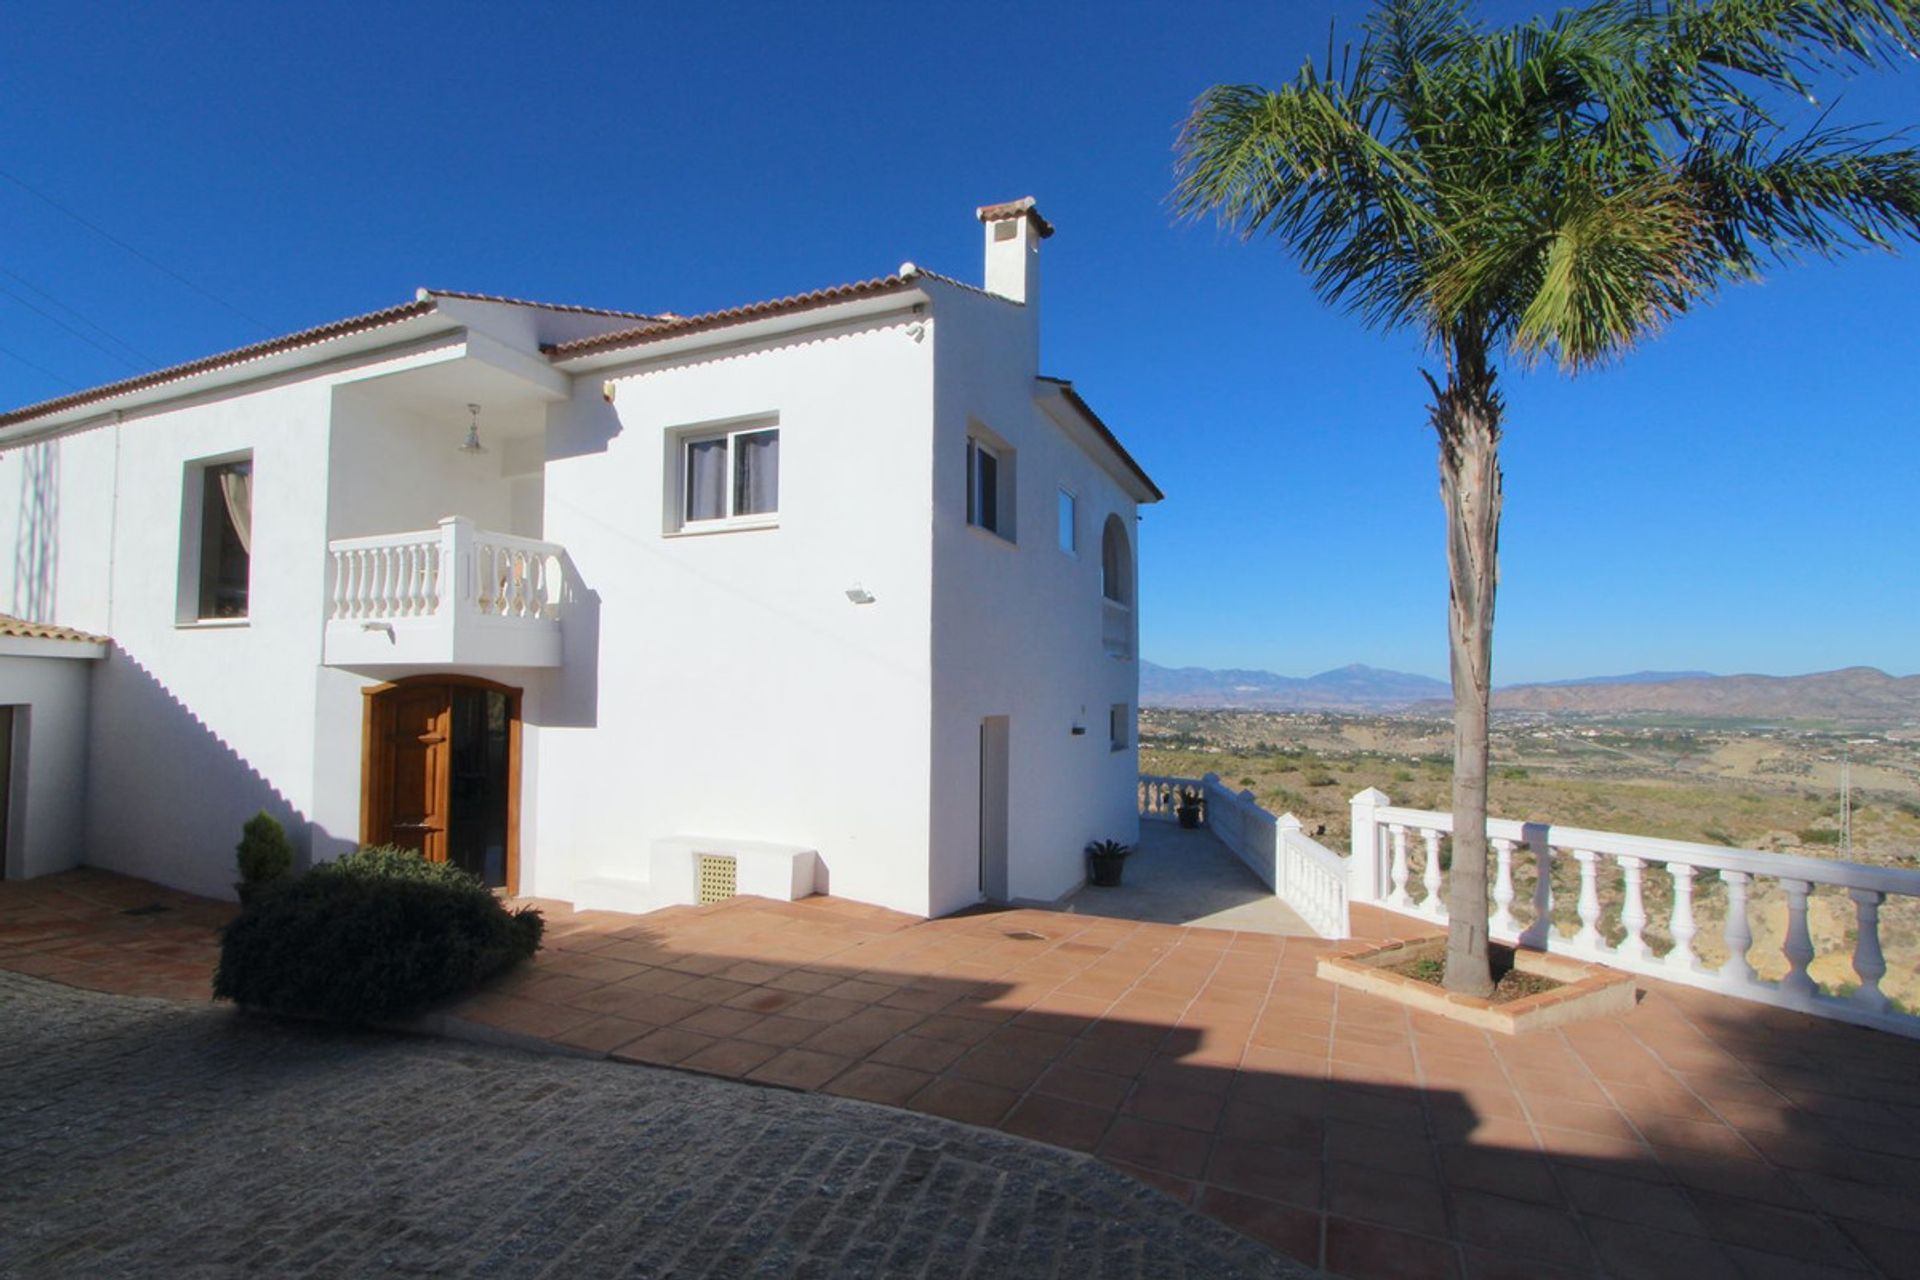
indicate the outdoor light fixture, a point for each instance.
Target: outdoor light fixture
{"x":859,"y":594}
{"x":472,"y":443}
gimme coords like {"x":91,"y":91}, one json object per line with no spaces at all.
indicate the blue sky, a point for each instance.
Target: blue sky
{"x":1741,"y":495}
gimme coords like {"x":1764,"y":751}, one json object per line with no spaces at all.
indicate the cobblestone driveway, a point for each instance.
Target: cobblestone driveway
{"x":143,"y":1138}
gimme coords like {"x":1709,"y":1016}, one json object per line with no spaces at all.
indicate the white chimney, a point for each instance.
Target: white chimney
{"x":1014,"y":232}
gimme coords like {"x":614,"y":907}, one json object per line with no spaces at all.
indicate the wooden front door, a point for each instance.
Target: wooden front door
{"x":411,"y":732}
{"x":442,"y":771}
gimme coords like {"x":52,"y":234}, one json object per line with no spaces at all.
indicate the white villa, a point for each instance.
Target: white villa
{"x":830,"y":593}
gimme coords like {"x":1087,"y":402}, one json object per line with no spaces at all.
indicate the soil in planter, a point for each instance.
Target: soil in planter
{"x":1509,"y":983}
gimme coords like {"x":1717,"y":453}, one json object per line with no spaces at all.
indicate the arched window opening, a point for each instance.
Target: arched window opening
{"x":1116,"y":563}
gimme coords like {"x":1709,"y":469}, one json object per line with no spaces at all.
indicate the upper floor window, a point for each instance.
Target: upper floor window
{"x":219,"y":568}
{"x":1069,"y":524}
{"x":990,"y":486}
{"x":1116,"y":562}
{"x":1119,"y":721}
{"x":730,"y":475}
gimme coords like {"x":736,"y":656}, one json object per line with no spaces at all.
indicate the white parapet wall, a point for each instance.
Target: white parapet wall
{"x":1399,"y":862}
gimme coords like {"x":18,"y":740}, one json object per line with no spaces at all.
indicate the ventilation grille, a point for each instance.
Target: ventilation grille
{"x":717,"y":875}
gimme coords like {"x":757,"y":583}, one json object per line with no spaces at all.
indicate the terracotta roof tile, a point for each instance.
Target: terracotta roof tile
{"x":544,"y":306}
{"x":24,"y":630}
{"x":206,"y":364}
{"x":1023,"y":207}
{"x":679,"y":325}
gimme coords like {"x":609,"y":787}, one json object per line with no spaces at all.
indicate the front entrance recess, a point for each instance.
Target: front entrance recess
{"x":441,"y":773}
{"x":993,"y":808}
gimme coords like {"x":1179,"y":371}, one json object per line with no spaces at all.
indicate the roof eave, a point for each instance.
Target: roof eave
{"x":1148,"y":492}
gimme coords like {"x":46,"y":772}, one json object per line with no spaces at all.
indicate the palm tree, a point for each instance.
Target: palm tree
{"x":1556,"y":189}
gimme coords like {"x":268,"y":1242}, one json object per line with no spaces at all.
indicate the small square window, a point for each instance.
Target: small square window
{"x":730,"y":475}
{"x":1118,"y":724}
{"x":1069,"y":524}
{"x":219,"y":557}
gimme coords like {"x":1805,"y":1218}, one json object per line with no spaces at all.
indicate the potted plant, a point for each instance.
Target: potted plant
{"x":1105,"y":858}
{"x":264,"y":855}
{"x":1189,"y":809}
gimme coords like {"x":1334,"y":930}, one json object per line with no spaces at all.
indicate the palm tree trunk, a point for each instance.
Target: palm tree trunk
{"x":1466,"y":415}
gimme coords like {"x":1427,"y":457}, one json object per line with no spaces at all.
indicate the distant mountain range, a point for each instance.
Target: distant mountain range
{"x":1854,"y":694}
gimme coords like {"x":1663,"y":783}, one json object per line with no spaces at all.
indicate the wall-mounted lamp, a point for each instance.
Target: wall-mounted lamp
{"x":606,"y":391}
{"x":859,"y":594}
{"x":472,"y":443}
{"x":1079,"y":731}
{"x":386,"y":627}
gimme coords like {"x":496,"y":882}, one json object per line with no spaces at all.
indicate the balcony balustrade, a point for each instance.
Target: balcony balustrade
{"x":452,"y":596}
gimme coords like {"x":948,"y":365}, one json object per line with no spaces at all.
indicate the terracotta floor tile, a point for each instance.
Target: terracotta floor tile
{"x":1173,"y":1104}
{"x":1769,"y":1228}
{"x":877,"y":1082}
{"x":1404,"y":1202}
{"x":1286,"y":1229}
{"x":954,"y":1029}
{"x":718,"y":1020}
{"x":918,"y":1053}
{"x":799,"y":1069}
{"x":663,"y":1047}
{"x":1493,"y":1264}
{"x":777,"y":1030}
{"x":1272,"y":1173}
{"x":1515,"y":1227}
{"x":1603,"y":1194}
{"x":1366,"y":1251}
{"x":734,"y":1058}
{"x":966,"y":1100}
{"x":1630,"y":1250}
{"x":1058,"y":1121}
{"x":604,"y":1033}
{"x":1185,"y":1190}
{"x":997,"y":1067}
{"x":1092,"y":1088}
{"x":1181,"y":1152}
{"x":1518,"y":1175}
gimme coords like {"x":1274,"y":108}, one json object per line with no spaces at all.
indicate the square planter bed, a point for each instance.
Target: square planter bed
{"x":1581,"y":990}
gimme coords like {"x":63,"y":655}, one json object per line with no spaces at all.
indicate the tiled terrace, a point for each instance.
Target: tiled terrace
{"x":1695,"y":1136}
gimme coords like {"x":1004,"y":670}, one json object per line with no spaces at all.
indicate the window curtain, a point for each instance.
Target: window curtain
{"x":236,"y":486}
{"x":706,"y":479}
{"x":756,"y":489}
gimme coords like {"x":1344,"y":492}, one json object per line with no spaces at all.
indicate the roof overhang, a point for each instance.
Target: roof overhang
{"x":93,"y":647}
{"x":1074,"y":415}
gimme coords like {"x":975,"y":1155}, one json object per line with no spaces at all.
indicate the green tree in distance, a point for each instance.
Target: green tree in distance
{"x":1558,"y":189}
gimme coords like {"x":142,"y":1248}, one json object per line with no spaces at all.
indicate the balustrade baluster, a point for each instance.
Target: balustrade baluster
{"x":1868,"y":961}
{"x":1798,"y":947}
{"x":1430,"y":875}
{"x":1503,"y":922}
{"x":1739,"y":931}
{"x":1588,"y":938}
{"x":1633,"y":912}
{"x":1398,"y":896}
{"x":1539,"y":934}
{"x":1681,"y":924}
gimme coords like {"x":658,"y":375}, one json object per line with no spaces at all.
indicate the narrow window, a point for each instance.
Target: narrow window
{"x":730,"y":475}
{"x":1116,"y":562}
{"x":226,"y":539}
{"x":1118,"y":722}
{"x":983,"y":486}
{"x":1069,"y":525}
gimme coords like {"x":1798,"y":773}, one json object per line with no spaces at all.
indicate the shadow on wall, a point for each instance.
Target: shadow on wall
{"x":36,"y":551}
{"x":166,"y":796}
{"x":587,"y":427}
{"x":1695,"y":1136}
{"x":572,"y":696}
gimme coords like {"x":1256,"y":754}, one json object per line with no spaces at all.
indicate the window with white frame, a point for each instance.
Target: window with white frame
{"x":1119,"y":721}
{"x":989,"y":484}
{"x":1069,"y":523}
{"x":216,"y":550}
{"x":729,"y":476}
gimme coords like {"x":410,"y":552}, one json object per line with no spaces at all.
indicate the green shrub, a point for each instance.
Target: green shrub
{"x":1514,"y":773}
{"x":264,"y":853}
{"x":377,"y":935}
{"x":1323,"y":780}
{"x":1815,"y":835}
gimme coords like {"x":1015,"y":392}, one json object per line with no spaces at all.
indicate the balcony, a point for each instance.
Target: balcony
{"x":451,"y":596}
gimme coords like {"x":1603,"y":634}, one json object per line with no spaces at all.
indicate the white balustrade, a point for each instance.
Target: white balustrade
{"x":1160,"y":796}
{"x":1304,"y":874}
{"x":1379,"y":873}
{"x":455,"y":594}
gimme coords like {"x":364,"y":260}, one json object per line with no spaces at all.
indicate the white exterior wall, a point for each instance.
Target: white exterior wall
{"x":722,"y":684}
{"x":47,"y":814}
{"x":1017,"y":626}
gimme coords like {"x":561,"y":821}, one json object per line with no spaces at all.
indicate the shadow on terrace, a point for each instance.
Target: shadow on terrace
{"x":1694,"y":1136}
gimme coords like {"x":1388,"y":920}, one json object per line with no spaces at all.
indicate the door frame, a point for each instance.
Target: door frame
{"x":373,"y":754}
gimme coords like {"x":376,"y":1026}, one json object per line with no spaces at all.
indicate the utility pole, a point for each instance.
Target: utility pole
{"x":1846,"y":808}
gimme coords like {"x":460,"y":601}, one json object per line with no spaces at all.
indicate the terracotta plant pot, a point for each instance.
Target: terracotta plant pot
{"x":1104,"y":871}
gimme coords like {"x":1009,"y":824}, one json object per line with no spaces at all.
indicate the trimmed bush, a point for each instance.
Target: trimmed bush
{"x":378,"y":935}
{"x":264,"y":853}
